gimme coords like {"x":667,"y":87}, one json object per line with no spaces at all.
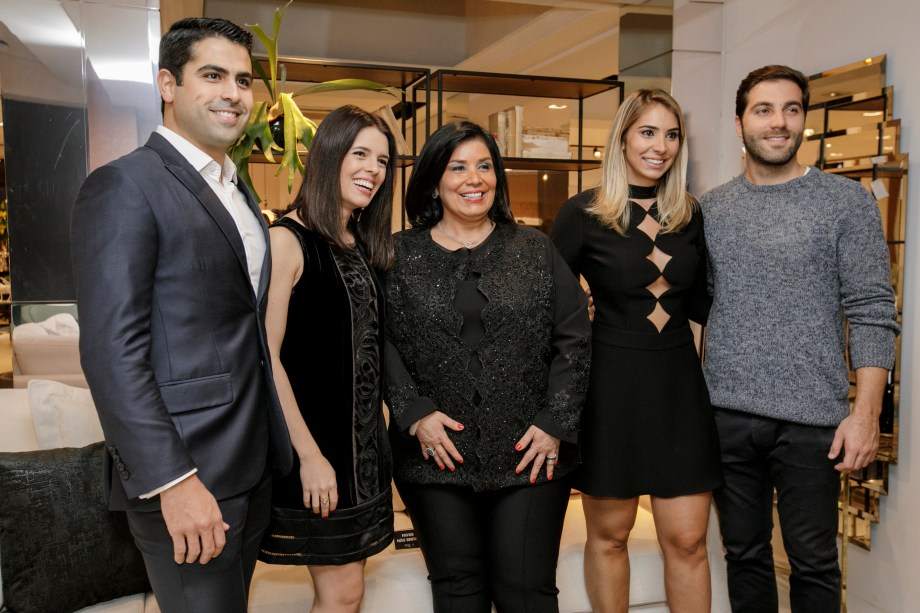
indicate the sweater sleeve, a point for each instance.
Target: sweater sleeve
{"x":570,"y":356}
{"x":865,"y":283}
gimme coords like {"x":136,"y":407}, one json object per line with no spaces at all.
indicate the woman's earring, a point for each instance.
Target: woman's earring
{"x":434,"y":194}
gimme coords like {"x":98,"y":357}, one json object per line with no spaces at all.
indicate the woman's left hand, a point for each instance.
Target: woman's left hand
{"x":542,"y":448}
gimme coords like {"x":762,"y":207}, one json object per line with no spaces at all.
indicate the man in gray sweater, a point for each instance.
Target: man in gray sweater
{"x":793,"y":252}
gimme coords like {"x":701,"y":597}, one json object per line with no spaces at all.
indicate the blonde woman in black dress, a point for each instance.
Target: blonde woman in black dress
{"x":647,"y":426}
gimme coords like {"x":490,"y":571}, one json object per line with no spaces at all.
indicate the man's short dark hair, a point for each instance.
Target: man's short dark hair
{"x":176,"y":44}
{"x":774,"y":72}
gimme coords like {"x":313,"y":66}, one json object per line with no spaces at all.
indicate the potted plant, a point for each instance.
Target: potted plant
{"x":277,"y":125}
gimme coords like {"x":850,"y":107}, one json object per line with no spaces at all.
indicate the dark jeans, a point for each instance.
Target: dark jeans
{"x":223,"y":583}
{"x":483,"y":547}
{"x":758,"y":454}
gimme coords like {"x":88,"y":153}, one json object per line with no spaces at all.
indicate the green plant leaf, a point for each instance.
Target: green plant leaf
{"x":257,"y":68}
{"x":295,"y":127}
{"x":271,"y":47}
{"x":347,"y":84}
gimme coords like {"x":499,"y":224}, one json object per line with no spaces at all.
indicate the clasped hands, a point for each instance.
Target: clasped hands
{"x":539,"y":448}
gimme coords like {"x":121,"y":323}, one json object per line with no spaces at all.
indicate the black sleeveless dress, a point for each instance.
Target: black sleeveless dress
{"x":332,"y":352}
{"x":647,"y":426}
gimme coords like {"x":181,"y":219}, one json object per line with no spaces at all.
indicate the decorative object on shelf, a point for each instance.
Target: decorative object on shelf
{"x":278,"y":124}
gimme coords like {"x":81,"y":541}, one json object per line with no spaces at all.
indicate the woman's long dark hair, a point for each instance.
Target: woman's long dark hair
{"x":424,"y":210}
{"x":318,"y":203}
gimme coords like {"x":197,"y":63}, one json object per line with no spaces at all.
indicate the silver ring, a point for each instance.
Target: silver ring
{"x":429,"y":450}
{"x":550,"y":461}
{"x":550,"y":456}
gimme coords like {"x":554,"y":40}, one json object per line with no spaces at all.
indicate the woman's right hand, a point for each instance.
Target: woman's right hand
{"x":434,"y":442}
{"x":317,"y":478}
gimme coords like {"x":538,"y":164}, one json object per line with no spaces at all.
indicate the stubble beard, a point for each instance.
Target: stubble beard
{"x":764,"y":157}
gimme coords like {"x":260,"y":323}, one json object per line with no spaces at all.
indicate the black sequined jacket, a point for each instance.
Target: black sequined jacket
{"x":535,"y":354}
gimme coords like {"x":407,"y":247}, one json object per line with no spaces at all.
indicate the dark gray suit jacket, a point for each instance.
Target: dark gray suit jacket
{"x":172,"y":336}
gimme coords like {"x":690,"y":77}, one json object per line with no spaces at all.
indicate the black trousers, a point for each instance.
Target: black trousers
{"x":223,"y":583}
{"x":759,"y":454}
{"x":482,"y":547}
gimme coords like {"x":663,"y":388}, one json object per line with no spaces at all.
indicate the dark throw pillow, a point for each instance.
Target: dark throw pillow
{"x":61,"y":549}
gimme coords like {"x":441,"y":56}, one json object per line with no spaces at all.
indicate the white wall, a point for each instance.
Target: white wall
{"x":813,"y":36}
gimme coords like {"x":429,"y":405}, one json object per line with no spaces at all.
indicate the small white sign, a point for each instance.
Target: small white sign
{"x":878,"y":189}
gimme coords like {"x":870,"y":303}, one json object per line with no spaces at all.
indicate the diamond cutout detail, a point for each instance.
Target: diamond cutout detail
{"x":649,"y":227}
{"x":659,"y":258}
{"x":659,"y":317}
{"x":658,"y":286}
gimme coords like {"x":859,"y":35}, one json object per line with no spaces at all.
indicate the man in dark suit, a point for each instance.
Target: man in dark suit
{"x":171,"y":264}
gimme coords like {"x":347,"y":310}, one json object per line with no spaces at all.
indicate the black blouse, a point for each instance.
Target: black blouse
{"x":534,"y":351}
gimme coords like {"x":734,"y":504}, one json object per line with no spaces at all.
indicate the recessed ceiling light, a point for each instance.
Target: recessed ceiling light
{"x":872,"y":114}
{"x":558,"y":107}
{"x":809,"y":132}
{"x":868,"y":60}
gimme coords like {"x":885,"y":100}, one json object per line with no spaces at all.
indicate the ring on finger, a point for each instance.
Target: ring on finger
{"x":550,"y":461}
{"x":551,"y":456}
{"x":323,"y":500}
{"x":429,"y":450}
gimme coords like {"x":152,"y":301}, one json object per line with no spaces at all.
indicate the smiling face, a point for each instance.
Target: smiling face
{"x":773,"y":124}
{"x":467,"y":187}
{"x":364,"y":169}
{"x":650,"y":145}
{"x":211,"y":107}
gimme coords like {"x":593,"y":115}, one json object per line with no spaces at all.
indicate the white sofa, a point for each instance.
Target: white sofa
{"x":396,"y":580}
{"x":48,"y":349}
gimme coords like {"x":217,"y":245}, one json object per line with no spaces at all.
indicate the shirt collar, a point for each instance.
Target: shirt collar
{"x":202,"y":162}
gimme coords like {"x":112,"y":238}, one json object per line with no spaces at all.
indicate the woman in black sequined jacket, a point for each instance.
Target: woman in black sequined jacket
{"x":487,"y":360}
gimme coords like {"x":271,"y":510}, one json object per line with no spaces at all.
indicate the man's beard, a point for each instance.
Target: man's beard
{"x":771,"y":157}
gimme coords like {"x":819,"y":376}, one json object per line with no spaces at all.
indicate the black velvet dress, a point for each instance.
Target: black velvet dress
{"x":332,"y":352}
{"x":647,"y":426}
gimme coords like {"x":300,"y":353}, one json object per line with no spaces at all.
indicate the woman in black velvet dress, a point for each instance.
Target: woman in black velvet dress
{"x":486,"y":372}
{"x":648,"y":426}
{"x":325,"y":334}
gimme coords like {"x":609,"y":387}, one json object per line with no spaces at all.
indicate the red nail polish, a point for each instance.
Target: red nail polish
{"x":451,"y":468}
{"x":518,"y":446}
{"x":461,"y":461}
{"x":459,"y":426}
{"x":550,"y":477}
{"x":532,"y":480}
{"x":441,"y":467}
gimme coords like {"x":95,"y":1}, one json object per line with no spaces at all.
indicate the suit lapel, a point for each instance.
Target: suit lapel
{"x":188,"y":176}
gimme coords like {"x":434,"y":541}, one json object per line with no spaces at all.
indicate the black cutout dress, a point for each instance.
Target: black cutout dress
{"x":647,"y":426}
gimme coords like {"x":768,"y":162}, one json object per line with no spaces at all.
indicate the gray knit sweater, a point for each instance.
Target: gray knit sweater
{"x":788,"y":262}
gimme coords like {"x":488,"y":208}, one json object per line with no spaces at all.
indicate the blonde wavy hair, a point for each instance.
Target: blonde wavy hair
{"x":611,"y":204}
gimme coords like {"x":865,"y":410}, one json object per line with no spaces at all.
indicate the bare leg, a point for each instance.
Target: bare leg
{"x":609,"y":521}
{"x":681,"y":525}
{"x":339,"y":589}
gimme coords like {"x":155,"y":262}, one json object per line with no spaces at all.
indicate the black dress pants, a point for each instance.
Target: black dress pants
{"x":223,"y":583}
{"x":758,"y":454}
{"x":497,"y":546}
